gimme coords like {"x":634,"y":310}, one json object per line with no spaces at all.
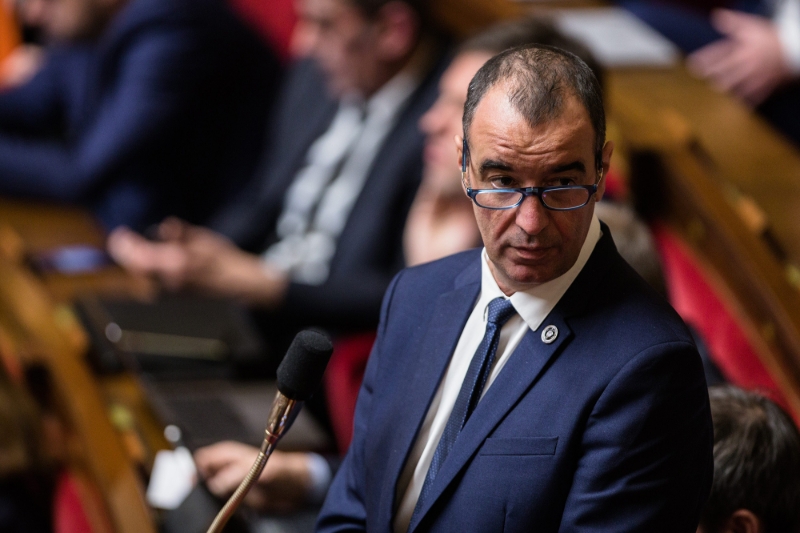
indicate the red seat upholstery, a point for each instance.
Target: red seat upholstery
{"x":78,"y":506}
{"x":343,"y":381}
{"x":274,"y":20}
{"x":695,"y":297}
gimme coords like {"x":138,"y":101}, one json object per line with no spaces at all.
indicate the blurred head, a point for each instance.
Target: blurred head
{"x":70,"y":20}
{"x":358,"y":44}
{"x":756,"y":485}
{"x":442,"y":123}
{"x":534,"y":118}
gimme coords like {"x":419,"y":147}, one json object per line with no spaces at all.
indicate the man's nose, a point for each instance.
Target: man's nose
{"x":532,"y":216}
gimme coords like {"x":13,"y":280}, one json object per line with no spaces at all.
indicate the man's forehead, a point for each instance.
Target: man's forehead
{"x":498,"y":126}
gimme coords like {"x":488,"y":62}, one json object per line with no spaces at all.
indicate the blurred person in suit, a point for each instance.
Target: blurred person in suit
{"x":748,"y":48}
{"x":756,"y":485}
{"x":317,"y":237}
{"x":142,"y":108}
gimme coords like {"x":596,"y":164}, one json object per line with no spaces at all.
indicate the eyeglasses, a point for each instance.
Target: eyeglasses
{"x":556,"y":198}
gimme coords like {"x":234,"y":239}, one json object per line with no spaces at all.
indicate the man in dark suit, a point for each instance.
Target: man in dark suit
{"x":143,"y":108}
{"x":318,"y":236}
{"x":539,"y":384}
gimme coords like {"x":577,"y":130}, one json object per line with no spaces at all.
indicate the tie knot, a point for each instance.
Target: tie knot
{"x":500,"y":310}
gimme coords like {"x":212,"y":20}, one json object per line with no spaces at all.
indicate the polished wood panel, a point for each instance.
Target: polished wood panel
{"x":741,"y":148}
{"x":28,"y":229}
{"x":113,"y":434}
{"x":48,"y":333}
{"x":732,"y":191}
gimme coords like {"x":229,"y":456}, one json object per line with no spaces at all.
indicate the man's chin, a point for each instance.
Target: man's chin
{"x":524,"y":273}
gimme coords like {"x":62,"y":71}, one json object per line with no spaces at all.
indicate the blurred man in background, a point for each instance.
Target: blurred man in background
{"x":142,"y":108}
{"x":756,"y":466}
{"x":318,"y":236}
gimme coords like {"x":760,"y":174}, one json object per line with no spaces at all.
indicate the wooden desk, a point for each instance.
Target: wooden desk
{"x":35,"y":329}
{"x":35,"y":326}
{"x":743,"y":150}
{"x":732,"y":190}
{"x":31,"y":228}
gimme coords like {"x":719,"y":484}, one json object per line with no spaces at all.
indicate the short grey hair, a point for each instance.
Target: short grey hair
{"x":540,"y":78}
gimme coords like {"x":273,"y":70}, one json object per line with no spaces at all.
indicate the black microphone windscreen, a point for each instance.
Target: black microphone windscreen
{"x":300,"y":372}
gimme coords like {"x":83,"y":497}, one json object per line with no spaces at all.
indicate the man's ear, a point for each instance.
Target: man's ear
{"x":460,"y":152}
{"x":742,"y":521}
{"x":605,"y":163}
{"x":459,"y":140}
{"x":398,"y":28}
{"x":608,"y":149}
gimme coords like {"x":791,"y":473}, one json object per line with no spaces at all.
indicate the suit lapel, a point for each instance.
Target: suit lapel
{"x":520,"y":373}
{"x":515,"y":379}
{"x":432,"y":356}
{"x":523,"y":369}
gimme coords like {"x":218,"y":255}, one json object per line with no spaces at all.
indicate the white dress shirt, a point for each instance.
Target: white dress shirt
{"x":319,"y":201}
{"x":532,"y":306}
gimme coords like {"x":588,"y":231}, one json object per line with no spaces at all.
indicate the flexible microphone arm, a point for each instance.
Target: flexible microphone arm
{"x":298,"y":376}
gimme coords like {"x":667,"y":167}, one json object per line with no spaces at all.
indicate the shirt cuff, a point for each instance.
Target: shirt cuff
{"x":321,"y":475}
{"x":787,"y":22}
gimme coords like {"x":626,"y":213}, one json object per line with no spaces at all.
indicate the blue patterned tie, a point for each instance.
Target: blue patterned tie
{"x":500,"y":310}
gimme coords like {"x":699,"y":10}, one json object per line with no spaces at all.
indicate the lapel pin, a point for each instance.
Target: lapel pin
{"x":549,"y":334}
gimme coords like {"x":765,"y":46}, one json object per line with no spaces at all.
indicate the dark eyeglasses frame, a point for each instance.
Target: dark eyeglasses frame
{"x":525,"y":191}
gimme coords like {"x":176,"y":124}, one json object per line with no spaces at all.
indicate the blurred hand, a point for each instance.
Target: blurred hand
{"x":441,"y":222}
{"x":197,"y":258}
{"x":20,"y":66}
{"x":283,"y":486}
{"x":748,"y":63}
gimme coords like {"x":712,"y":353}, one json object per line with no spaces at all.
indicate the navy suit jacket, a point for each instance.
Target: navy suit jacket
{"x":606,"y":429}
{"x":164,"y":114}
{"x":369,"y":249}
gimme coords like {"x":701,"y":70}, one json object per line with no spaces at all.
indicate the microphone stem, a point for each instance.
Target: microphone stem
{"x":280,"y":418}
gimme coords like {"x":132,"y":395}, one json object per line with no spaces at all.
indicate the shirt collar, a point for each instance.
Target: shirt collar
{"x":388,"y":100}
{"x":534,"y":304}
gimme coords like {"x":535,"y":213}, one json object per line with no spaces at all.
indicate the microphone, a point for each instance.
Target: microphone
{"x":299,"y":374}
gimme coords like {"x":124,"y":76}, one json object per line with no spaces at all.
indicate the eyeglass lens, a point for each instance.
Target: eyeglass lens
{"x":556,"y":198}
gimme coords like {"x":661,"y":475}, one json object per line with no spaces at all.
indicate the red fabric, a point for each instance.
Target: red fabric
{"x":693,"y":296}
{"x":274,"y":20}
{"x":616,"y":188}
{"x":69,"y":515}
{"x":343,"y":381}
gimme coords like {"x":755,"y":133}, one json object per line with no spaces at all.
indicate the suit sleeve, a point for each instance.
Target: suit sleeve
{"x":348,"y":302}
{"x":344,"y":508}
{"x":351,"y":300}
{"x":27,"y":109}
{"x":646,"y":443}
{"x":155,"y":79}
